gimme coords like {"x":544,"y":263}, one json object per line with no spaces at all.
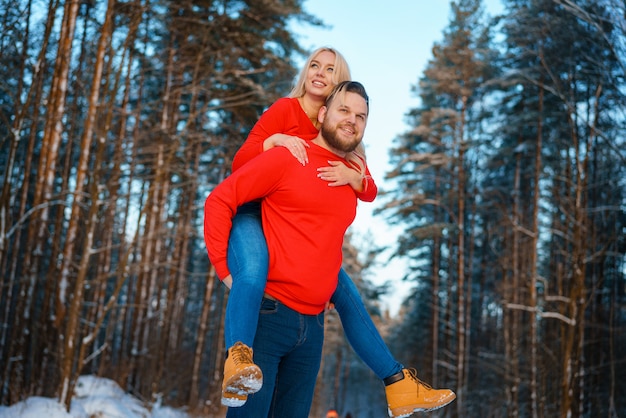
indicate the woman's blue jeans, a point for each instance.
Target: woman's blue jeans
{"x":248,"y":261}
{"x":360,"y":330}
{"x":288,"y":349}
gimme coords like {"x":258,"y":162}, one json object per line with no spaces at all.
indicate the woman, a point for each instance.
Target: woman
{"x":291,"y":122}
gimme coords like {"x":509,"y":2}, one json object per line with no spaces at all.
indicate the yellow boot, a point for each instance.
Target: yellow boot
{"x":407,"y":394}
{"x":231,"y":399}
{"x":241,"y":376}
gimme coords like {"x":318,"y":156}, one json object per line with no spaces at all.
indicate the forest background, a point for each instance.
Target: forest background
{"x":117,"y":119}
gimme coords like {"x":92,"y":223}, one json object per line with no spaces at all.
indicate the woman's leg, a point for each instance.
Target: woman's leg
{"x":248,"y":263}
{"x":404,"y":391}
{"x":361,"y":331}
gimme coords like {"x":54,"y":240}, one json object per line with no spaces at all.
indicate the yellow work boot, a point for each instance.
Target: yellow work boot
{"x":407,"y":394}
{"x":241,"y":376}
{"x":231,"y":399}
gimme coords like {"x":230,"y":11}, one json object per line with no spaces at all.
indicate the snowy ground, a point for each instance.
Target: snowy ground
{"x":93,"y":397}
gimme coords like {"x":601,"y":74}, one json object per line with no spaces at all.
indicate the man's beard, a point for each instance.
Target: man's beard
{"x":332,"y":139}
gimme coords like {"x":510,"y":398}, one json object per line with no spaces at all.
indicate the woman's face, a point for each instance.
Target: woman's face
{"x":319,"y":80}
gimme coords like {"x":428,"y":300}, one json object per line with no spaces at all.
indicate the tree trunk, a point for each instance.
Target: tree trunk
{"x":532,"y":283}
{"x":43,"y":191}
{"x":436,"y":265}
{"x":512,"y":290}
{"x":11,"y":342}
{"x":70,"y":366}
{"x":194,"y":392}
{"x":461,"y":301}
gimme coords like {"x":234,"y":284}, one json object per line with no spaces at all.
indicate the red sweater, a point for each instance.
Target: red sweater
{"x":286,"y":116}
{"x":304,"y":221}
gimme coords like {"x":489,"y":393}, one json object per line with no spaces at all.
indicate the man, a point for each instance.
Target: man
{"x":304,"y":221}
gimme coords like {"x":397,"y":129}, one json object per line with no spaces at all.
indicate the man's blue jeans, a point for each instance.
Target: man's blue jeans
{"x":288,"y":349}
{"x":248,"y":263}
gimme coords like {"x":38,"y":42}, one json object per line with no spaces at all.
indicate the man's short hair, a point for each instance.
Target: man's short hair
{"x":349,"y":87}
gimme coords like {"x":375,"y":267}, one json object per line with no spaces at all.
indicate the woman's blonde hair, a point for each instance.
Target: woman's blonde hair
{"x":341,"y":71}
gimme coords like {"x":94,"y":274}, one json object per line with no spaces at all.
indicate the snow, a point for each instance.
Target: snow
{"x":94,"y":397}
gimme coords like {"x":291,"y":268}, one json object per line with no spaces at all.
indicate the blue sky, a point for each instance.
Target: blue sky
{"x":387,"y":45}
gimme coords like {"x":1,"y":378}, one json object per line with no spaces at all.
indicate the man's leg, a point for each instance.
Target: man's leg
{"x":297,"y":373}
{"x":269,"y":346}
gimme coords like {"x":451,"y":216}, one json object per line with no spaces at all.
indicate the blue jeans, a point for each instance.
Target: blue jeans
{"x":288,"y":349}
{"x":248,"y":261}
{"x":360,"y":330}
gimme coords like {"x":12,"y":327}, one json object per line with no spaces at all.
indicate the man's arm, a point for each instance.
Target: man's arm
{"x":253,"y":181}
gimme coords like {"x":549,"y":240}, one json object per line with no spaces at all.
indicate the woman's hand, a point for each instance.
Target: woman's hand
{"x":338,"y":174}
{"x":297,"y":146}
{"x":228,"y":281}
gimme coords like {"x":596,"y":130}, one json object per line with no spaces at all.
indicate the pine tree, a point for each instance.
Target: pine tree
{"x":432,"y":174}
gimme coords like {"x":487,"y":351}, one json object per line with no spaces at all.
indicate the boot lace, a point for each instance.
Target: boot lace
{"x":413,"y":375}
{"x":241,"y":354}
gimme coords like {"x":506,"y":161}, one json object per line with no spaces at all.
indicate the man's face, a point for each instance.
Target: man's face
{"x":344,"y":121}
